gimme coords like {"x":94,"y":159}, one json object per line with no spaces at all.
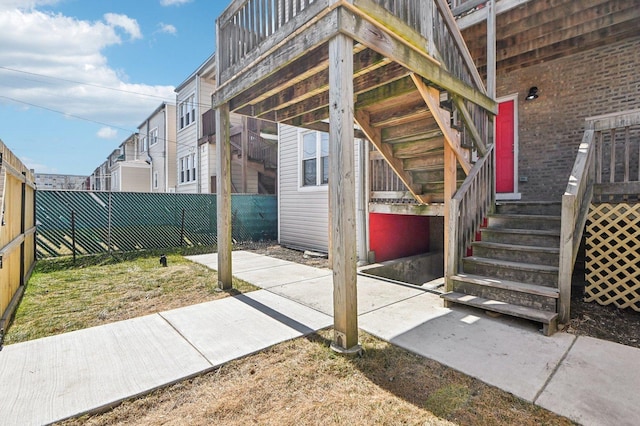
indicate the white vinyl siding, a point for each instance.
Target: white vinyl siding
{"x":303,"y":211}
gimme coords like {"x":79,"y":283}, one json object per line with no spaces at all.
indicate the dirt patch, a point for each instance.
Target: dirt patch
{"x":272,"y":249}
{"x":603,"y":322}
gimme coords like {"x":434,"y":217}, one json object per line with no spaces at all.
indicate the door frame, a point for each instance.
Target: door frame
{"x":515,"y":195}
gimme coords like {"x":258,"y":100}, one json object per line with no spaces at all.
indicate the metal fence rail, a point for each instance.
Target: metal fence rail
{"x":81,"y":222}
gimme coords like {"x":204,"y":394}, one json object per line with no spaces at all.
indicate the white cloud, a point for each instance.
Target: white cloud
{"x":107,"y":133}
{"x":173,"y":2}
{"x":66,"y":48}
{"x":38,"y":167}
{"x":167,"y":28}
{"x":24,"y":4}
{"x":130,"y":26}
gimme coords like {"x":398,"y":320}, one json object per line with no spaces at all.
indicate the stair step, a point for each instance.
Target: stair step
{"x":529,"y":237}
{"x":524,"y":221}
{"x":529,"y":207}
{"x":518,"y":293}
{"x":515,"y":252}
{"x":544,"y":275}
{"x":509,"y":285}
{"x":548,"y":319}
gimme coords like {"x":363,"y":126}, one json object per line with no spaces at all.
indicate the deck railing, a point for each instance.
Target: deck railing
{"x":384,"y":184}
{"x":247,"y":24}
{"x":575,"y":208}
{"x":607,"y":152}
{"x":617,"y":139}
{"x":261,"y":150}
{"x":469,"y":207}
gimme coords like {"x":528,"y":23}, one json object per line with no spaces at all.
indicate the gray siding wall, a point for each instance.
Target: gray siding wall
{"x":303,"y":212}
{"x":187,"y":138}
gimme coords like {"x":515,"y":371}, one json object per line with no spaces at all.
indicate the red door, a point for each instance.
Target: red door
{"x":505,"y":147}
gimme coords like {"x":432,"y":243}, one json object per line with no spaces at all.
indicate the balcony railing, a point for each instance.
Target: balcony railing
{"x":209,"y":123}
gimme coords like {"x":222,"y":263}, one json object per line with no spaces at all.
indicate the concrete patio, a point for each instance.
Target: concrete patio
{"x":591,"y":381}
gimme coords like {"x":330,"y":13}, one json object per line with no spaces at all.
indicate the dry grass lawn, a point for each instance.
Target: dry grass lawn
{"x":62,"y":297}
{"x":302,"y":382}
{"x":299,"y":382}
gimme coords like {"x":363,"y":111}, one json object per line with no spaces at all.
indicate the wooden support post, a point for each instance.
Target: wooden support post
{"x":245,"y":152}
{"x":450,"y":223}
{"x":342,"y":195}
{"x":223,"y":198}
{"x":491,"y":49}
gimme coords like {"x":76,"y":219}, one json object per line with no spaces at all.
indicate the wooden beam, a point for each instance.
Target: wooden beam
{"x":289,"y":88}
{"x":272,"y":60}
{"x":491,"y":49}
{"x":245,"y":152}
{"x":223,"y":197}
{"x":450,"y":224}
{"x":471,"y":126}
{"x":375,"y":137}
{"x":364,"y":83}
{"x":384,"y":43}
{"x":342,"y":195}
{"x":431,"y":96}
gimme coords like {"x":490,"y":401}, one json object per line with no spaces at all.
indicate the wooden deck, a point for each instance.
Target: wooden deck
{"x":395,"y":73}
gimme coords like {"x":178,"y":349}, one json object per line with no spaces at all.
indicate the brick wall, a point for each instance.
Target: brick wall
{"x":598,"y":81}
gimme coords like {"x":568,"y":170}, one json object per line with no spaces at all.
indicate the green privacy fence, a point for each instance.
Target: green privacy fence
{"x":97,"y":222}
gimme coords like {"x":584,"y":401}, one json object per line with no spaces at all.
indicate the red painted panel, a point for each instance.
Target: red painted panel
{"x":504,"y":147}
{"x":392,"y":236}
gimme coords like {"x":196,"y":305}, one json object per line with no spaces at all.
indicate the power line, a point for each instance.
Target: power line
{"x":89,"y":120}
{"x":86,"y":84}
{"x":167,"y":100}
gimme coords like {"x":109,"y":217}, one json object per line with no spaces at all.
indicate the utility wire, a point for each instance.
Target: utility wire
{"x":172,"y":101}
{"x":90,"y":120}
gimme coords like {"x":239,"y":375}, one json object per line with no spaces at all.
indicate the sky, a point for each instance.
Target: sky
{"x":77,"y":77}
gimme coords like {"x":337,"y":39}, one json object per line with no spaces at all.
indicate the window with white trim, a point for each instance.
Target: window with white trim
{"x":187,"y":110}
{"x":315,"y":159}
{"x":153,"y":137}
{"x":144,"y":144}
{"x":187,"y":168}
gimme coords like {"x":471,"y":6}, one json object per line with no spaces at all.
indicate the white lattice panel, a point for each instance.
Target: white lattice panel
{"x":613,"y":255}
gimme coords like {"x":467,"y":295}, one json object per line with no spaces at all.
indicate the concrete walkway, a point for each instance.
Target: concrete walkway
{"x":591,"y":381}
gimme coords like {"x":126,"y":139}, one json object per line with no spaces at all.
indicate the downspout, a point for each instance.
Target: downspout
{"x":166,"y":151}
{"x":198,"y":130}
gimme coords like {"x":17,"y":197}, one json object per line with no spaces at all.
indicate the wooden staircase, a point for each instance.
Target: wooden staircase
{"x":513,"y":269}
{"x":412,"y":142}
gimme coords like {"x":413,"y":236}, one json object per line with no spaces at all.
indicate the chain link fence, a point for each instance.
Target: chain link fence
{"x":84,"y":222}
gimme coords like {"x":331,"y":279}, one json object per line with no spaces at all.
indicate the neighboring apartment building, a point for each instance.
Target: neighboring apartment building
{"x":57,"y":181}
{"x":193,"y":98}
{"x":157,"y":146}
{"x":129,"y":172}
{"x":254,"y":142}
{"x":100,"y":179}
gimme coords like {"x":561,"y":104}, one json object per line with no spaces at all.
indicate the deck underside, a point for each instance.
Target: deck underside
{"x":398,"y":89}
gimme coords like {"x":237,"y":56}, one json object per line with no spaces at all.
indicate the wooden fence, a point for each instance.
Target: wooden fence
{"x":17,"y":231}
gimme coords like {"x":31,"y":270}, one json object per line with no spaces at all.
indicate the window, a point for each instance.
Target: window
{"x":187,"y":168}
{"x":187,"y":109}
{"x":155,"y":180}
{"x":153,"y":137}
{"x":315,"y":158}
{"x":193,"y":166}
{"x":144,"y":147}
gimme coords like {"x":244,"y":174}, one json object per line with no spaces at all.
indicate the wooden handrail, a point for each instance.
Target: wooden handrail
{"x":575,"y":209}
{"x":469,"y":206}
{"x":585,"y":175}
